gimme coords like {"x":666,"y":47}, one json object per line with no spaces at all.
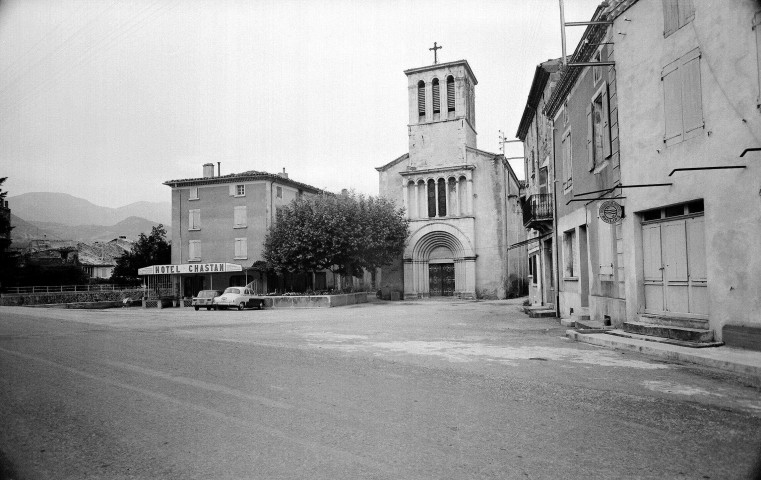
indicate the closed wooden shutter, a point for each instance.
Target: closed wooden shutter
{"x":232,"y":190}
{"x":436,"y":96}
{"x":757,"y":28}
{"x":421,"y":98}
{"x":590,"y":139}
{"x":651,"y":249}
{"x":450,"y":94}
{"x":194,"y":249}
{"x":686,"y":12}
{"x":606,"y":147}
{"x":241,"y":248}
{"x":670,"y":16}
{"x":692,"y":102}
{"x":240,"y":216}
{"x":672,"y":104}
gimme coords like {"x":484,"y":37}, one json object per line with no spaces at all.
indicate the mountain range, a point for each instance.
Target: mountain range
{"x":60,"y":216}
{"x":70,"y":210}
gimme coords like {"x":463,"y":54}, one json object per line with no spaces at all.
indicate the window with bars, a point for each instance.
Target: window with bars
{"x":194,"y":250}
{"x":240,"y":217}
{"x":450,"y":93}
{"x":436,"y":96}
{"x":421,"y":98}
{"x":194,"y":219}
{"x":676,"y":14}
{"x":682,"y":98}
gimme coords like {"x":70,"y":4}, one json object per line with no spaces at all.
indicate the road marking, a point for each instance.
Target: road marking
{"x":213,"y":387}
{"x":327,"y":451}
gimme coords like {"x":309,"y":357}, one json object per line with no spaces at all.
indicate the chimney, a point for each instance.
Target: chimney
{"x":208,"y":170}
{"x":219,"y":169}
{"x":282,"y":174}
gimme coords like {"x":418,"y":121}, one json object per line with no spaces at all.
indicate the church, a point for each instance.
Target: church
{"x":462,"y":202}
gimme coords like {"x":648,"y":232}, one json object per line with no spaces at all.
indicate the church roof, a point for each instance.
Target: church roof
{"x":393,"y":162}
{"x":248,"y":175}
{"x":437,"y":66}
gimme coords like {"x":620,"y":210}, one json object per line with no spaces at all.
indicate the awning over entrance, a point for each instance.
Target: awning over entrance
{"x":190,"y":268}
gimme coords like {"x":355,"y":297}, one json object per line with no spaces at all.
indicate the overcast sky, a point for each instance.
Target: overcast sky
{"x":106,"y":100}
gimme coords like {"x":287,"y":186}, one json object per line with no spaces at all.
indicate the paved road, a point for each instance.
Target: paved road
{"x":405,"y":390}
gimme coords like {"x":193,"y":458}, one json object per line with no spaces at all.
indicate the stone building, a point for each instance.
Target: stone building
{"x":218,"y":228}
{"x":535,"y":131}
{"x":462,"y":202}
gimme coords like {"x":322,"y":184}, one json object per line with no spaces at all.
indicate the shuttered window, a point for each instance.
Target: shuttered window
{"x":436,"y":96}
{"x":567,"y":161}
{"x":241,"y":248}
{"x":240,"y":217}
{"x":676,"y":14}
{"x":682,"y":98}
{"x":421,"y":98}
{"x":450,"y":93}
{"x":605,"y":247}
{"x":194,"y":219}
{"x":598,"y":129}
{"x":194,"y":250}
{"x":757,"y":28}
{"x":193,"y":193}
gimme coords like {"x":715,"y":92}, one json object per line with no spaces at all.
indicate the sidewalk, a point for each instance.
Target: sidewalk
{"x":736,"y":360}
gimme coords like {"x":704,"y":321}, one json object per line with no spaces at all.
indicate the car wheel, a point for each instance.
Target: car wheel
{"x":260,"y":305}
{"x":196,"y":308}
{"x":208,"y":308}
{"x":241,"y":306}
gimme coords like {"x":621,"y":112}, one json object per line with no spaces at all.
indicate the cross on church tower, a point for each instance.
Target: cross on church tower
{"x":435,"y":56}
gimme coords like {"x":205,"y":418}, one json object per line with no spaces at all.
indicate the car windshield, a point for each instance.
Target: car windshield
{"x":208,"y":293}
{"x":232,"y":290}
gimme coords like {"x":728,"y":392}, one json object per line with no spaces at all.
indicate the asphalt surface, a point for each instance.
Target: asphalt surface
{"x":402,"y":390}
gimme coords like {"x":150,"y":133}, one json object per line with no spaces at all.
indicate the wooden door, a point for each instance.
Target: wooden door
{"x":441,"y":279}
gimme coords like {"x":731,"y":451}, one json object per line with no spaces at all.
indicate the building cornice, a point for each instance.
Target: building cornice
{"x":438,"y":66}
{"x":241,"y":177}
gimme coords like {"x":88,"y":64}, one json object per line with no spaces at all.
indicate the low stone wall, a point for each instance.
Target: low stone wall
{"x":315,"y":301}
{"x":32,"y":299}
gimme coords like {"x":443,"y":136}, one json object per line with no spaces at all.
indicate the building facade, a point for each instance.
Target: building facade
{"x":537,"y":201}
{"x":689,"y":87}
{"x":219,"y":223}
{"x":462,"y":202}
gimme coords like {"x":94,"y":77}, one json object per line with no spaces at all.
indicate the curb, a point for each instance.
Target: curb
{"x":744,"y":363}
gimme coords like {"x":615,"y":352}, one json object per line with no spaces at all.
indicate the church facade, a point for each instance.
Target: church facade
{"x":462,"y":202}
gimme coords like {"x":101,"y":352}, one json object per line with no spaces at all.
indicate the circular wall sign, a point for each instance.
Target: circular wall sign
{"x":610,"y":211}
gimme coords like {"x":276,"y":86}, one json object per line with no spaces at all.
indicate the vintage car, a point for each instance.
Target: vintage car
{"x":240,"y":298}
{"x":205,"y":298}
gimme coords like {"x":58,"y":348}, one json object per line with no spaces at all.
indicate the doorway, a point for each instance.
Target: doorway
{"x":441,"y":279}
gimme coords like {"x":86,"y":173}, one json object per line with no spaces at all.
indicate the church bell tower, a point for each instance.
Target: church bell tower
{"x":442,"y":120}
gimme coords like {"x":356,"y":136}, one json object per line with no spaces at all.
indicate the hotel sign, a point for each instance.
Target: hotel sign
{"x":189,"y":268}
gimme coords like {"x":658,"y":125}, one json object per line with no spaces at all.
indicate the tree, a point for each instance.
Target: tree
{"x":345,"y":233}
{"x":7,"y":262}
{"x":148,"y":250}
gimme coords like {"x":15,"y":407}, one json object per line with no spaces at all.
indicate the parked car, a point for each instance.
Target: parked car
{"x":240,"y":298}
{"x":205,"y":298}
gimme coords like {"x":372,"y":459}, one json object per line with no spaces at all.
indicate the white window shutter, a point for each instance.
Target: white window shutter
{"x":590,"y":139}
{"x":240,"y":216}
{"x":191,"y":225}
{"x":605,"y":247}
{"x":670,"y":16}
{"x":232,"y":190}
{"x":672,"y":104}
{"x":757,"y":28}
{"x":686,"y":12}
{"x":691,"y":92}
{"x":606,"y":146}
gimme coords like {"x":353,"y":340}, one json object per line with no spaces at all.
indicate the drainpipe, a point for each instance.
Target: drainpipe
{"x":555,"y":250}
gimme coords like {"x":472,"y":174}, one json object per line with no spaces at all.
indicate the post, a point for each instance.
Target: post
{"x":562,"y":33}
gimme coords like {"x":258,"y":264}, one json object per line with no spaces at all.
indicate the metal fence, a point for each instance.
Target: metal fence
{"x":102,"y":287}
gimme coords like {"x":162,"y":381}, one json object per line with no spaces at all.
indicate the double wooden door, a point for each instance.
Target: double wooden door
{"x":674,"y":255}
{"x":441,"y":279}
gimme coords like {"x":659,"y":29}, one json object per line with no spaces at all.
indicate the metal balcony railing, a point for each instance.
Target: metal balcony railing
{"x":537,"y":210}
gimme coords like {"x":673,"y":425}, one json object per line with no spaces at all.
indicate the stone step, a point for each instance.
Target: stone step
{"x":543,"y":313}
{"x":587,"y":324}
{"x":700,"y":324}
{"x":649,"y":338}
{"x":672,"y":332}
